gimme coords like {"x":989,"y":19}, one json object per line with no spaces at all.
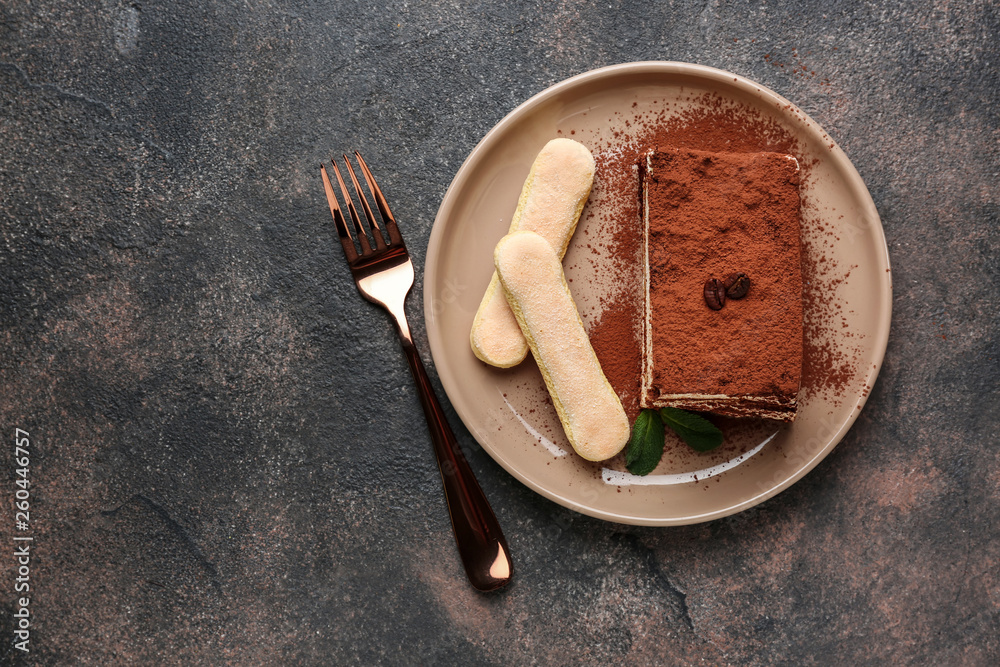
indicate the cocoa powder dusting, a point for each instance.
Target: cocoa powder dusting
{"x":616,"y":335}
{"x":615,"y":339}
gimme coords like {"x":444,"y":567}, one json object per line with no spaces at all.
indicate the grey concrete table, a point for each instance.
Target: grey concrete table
{"x":218,"y":424}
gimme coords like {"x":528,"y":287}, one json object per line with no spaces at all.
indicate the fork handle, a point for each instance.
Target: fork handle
{"x":481,"y":543}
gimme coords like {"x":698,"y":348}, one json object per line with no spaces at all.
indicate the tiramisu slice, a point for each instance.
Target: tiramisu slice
{"x":709,"y":216}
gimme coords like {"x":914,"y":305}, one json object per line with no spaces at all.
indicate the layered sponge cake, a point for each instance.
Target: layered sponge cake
{"x":711,"y":216}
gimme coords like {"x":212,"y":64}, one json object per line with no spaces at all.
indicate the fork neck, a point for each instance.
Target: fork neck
{"x":398,"y":313}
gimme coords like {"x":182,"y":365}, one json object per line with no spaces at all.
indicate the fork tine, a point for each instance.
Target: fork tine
{"x":383,"y":205}
{"x":338,"y":218}
{"x":366,"y":248}
{"x":376,"y":230}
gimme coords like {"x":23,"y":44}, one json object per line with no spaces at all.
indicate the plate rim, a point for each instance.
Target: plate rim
{"x":855,"y":183}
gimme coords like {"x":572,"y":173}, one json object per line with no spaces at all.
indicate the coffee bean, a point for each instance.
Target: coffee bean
{"x":715,"y":294}
{"x":737,"y":285}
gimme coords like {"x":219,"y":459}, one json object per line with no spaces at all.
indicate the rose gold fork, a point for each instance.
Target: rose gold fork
{"x":384,"y":275}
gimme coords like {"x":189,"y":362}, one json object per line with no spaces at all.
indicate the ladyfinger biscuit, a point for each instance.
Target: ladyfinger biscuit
{"x":552,"y":198}
{"x":532,"y":279}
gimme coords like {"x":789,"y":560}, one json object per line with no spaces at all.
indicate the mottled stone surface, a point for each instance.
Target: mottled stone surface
{"x":229,"y":463}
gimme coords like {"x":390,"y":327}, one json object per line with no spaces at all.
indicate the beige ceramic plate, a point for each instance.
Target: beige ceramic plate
{"x":506,"y":410}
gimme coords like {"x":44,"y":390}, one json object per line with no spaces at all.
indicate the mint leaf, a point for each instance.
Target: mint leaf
{"x":701,"y":434}
{"x":645,"y":447}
